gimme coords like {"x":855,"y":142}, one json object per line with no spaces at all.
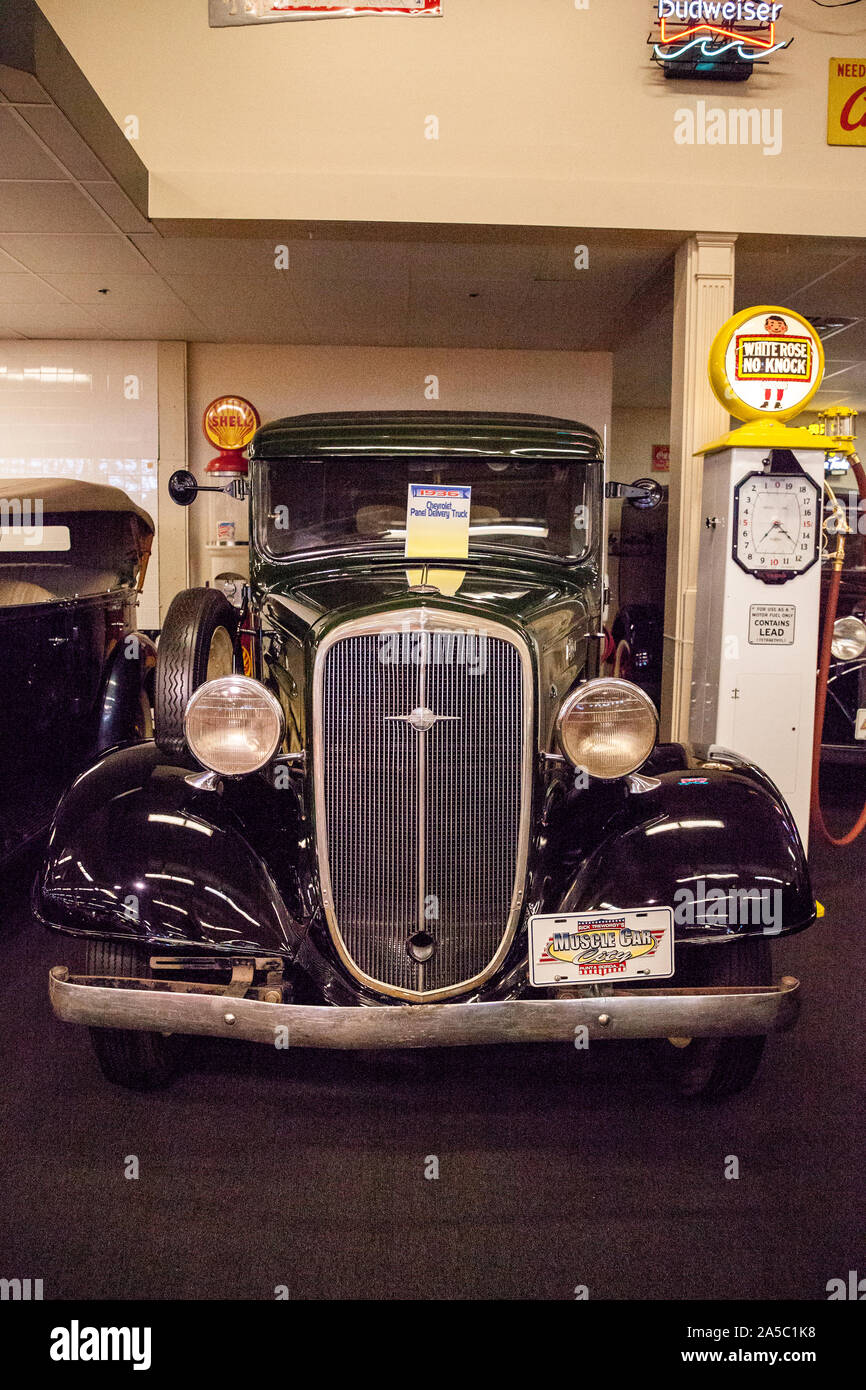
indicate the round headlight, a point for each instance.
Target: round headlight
{"x":849,"y":639}
{"x":233,"y":725}
{"x":608,"y":727}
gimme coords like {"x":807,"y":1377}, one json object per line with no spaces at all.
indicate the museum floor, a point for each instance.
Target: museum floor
{"x":557,"y":1168}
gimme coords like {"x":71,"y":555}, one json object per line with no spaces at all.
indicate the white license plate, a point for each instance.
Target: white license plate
{"x":601,"y":947}
{"x":860,"y":724}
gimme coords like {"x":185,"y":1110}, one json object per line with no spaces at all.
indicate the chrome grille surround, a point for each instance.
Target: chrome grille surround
{"x":374,"y":898}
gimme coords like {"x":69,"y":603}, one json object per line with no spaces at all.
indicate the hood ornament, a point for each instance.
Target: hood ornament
{"x":421,"y":718}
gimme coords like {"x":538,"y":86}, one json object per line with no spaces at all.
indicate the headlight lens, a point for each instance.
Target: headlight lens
{"x":233,"y":725}
{"x":849,"y":639}
{"x":608,"y":727}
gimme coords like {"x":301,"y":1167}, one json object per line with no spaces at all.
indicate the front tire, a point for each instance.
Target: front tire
{"x":139,"y":1061}
{"x":711,"y":1068}
{"x":196,"y":645}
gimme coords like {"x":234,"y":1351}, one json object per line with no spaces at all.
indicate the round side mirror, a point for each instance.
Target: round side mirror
{"x":652,"y":494}
{"x":182,"y":487}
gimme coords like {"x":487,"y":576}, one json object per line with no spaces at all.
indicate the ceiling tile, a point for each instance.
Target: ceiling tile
{"x":47,"y":207}
{"x":146,"y":322}
{"x":122,"y":210}
{"x":51,"y":321}
{"x":438,"y":261}
{"x":123,"y":290}
{"x":62,"y":137}
{"x":209,"y":255}
{"x":22,"y":288}
{"x":17,"y":85}
{"x":80,"y":254}
{"x":21,"y":155}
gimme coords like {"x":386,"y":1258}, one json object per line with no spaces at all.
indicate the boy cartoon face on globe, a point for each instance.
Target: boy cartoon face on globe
{"x":775,"y":327}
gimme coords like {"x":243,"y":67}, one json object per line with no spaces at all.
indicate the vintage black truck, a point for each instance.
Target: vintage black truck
{"x":391,"y":802}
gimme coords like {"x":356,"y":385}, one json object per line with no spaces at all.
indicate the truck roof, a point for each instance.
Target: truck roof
{"x":370,"y":433}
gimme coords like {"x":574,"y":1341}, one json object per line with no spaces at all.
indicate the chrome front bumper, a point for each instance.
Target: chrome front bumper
{"x":665,"y":1013}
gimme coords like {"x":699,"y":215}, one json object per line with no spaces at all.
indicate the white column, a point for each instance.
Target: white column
{"x":173,"y":552}
{"x":703,"y":300}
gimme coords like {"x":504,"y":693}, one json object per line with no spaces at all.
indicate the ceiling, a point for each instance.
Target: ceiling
{"x":80,"y":259}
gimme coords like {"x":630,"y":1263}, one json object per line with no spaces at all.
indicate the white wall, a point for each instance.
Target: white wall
{"x":293,"y":380}
{"x":84,"y":410}
{"x":549,"y":114}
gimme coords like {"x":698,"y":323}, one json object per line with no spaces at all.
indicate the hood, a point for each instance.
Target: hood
{"x":554,"y":608}
{"x":523,"y":595}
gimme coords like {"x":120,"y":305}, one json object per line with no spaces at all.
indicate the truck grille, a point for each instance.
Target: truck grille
{"x":424,"y":828}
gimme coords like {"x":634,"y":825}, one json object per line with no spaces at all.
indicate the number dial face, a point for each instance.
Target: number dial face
{"x":776,"y":525}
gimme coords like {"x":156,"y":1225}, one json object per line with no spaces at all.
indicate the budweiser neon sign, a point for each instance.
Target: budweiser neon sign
{"x":716,"y":30}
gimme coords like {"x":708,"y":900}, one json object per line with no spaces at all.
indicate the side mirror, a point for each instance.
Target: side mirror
{"x":643,"y":493}
{"x":183,"y":488}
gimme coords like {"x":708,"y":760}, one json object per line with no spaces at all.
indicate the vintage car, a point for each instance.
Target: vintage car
{"x":74,"y":675}
{"x":844,"y":738}
{"x":391,"y":803}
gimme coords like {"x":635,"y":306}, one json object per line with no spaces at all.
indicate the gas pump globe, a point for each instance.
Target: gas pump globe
{"x":229,"y":423}
{"x":759,"y":572}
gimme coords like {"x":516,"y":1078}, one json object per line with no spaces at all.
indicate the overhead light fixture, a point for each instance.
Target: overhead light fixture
{"x":825,"y":325}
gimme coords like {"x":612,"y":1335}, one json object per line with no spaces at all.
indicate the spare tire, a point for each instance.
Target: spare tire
{"x":196,"y":645}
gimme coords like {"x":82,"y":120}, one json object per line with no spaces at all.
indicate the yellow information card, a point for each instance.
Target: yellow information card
{"x":437,"y":521}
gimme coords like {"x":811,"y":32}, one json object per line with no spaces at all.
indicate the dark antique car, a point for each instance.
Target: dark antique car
{"x":844,"y":738}
{"x":420,"y":818}
{"x":73,"y":673}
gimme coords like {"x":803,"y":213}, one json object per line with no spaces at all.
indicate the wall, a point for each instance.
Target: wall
{"x":293,"y":380}
{"x":85,"y":410}
{"x":549,"y":114}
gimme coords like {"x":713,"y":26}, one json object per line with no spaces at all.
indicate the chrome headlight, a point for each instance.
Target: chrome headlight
{"x":608,"y":727}
{"x":233,"y":725}
{"x":849,"y":639}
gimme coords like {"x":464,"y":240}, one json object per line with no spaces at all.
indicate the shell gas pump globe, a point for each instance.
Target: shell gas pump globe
{"x":228,"y":423}
{"x":759,"y":571}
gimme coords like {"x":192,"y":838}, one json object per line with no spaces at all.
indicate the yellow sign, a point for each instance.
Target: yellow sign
{"x":437,"y":521}
{"x":766,"y":363}
{"x":230,"y":422}
{"x":846,"y":102}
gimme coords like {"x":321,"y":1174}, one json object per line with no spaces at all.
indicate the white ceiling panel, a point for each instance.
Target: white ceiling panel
{"x":48,"y":207}
{"x":78,"y":255}
{"x":22,"y":289}
{"x":51,"y":321}
{"x":21,"y":157}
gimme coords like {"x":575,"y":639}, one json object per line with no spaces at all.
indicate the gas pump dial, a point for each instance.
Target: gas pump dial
{"x":776,"y":532}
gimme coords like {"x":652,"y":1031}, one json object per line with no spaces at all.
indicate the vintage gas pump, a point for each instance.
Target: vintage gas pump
{"x":759,"y":570}
{"x":228,"y":423}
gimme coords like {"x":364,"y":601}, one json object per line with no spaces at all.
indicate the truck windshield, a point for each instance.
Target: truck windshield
{"x":310,"y":505}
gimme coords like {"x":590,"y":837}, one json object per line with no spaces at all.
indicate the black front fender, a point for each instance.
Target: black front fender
{"x":119,"y":709}
{"x":695,"y":837}
{"x":136,"y":851}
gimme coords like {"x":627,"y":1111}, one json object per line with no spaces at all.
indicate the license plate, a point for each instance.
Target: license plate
{"x":860,"y":724}
{"x":601,"y":947}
